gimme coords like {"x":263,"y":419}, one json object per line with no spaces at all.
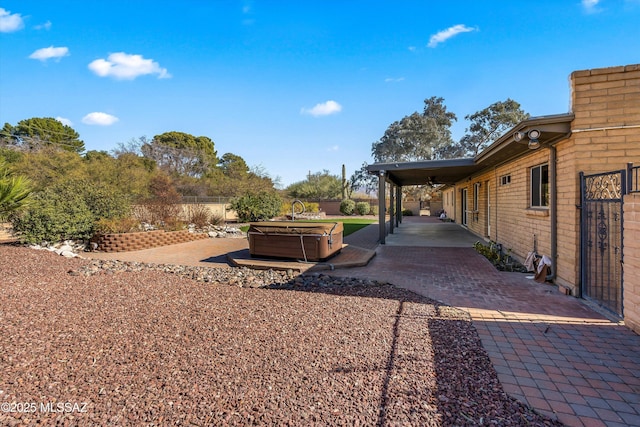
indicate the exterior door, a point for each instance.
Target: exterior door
{"x":601,"y":238}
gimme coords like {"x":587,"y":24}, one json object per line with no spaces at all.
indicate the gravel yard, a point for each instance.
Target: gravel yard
{"x":83,"y":344}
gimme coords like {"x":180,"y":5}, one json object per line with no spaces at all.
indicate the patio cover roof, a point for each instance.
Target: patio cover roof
{"x":552,"y":128}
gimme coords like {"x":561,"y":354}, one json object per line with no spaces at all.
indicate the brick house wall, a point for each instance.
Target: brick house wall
{"x":605,"y":136}
{"x":512,"y":222}
{"x":631,"y":275}
{"x":606,"y":104}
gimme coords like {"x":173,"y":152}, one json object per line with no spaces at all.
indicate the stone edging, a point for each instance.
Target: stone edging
{"x":123,"y":242}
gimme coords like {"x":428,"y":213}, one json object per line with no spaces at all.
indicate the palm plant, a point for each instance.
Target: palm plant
{"x":14,"y":192}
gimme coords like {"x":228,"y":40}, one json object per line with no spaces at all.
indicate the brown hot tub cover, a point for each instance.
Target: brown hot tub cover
{"x":312,"y":241}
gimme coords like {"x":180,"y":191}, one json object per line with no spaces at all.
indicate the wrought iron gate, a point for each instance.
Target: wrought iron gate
{"x":601,"y":238}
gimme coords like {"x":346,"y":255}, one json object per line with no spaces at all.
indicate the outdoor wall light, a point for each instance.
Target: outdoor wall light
{"x":533,"y":135}
{"x":517,"y":137}
{"x":381,"y":172}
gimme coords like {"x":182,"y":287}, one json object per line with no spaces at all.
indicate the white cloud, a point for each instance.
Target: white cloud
{"x":100,"y":119}
{"x":123,"y":66}
{"x":45,"y":26}
{"x":333,"y":148}
{"x":323,"y":109}
{"x":50,"y":52}
{"x":393,"y":79}
{"x":591,"y":6}
{"x":64,"y":121}
{"x":445,"y":35}
{"x":412,"y":48}
{"x":10,"y":22}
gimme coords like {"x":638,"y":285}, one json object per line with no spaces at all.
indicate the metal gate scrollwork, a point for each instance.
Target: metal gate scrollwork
{"x":601,"y":238}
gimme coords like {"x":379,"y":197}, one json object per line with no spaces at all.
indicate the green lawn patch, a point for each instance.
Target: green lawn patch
{"x":350,"y":225}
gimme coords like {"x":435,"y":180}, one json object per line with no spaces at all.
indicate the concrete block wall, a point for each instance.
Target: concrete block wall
{"x":631,"y":274}
{"x":144,"y":240}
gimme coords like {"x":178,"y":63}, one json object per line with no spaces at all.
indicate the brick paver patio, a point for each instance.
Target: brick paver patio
{"x":551,"y":351}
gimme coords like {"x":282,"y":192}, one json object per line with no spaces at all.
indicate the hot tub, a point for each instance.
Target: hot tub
{"x":310,"y":241}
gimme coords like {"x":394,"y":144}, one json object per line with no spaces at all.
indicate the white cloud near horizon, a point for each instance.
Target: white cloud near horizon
{"x":444,"y":35}
{"x":393,"y":79}
{"x":123,"y":66}
{"x":49,"y":52}
{"x":323,"y":109}
{"x":99,"y":119}
{"x":10,"y":22}
{"x":591,"y":6}
{"x":64,"y":121}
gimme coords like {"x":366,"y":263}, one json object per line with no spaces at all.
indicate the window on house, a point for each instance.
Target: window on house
{"x":505,"y":179}
{"x":540,"y":186}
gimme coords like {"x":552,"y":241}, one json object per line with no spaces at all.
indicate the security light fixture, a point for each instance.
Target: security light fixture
{"x":517,"y":137}
{"x":533,"y":134}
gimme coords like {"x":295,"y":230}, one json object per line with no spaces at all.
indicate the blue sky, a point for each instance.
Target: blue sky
{"x":295,"y":86}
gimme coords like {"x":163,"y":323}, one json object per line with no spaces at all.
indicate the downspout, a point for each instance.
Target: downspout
{"x":553,"y":202}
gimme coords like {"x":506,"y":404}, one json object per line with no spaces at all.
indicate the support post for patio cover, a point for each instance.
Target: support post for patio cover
{"x":382,"y":227}
{"x":392,"y":207}
{"x":398,"y":205}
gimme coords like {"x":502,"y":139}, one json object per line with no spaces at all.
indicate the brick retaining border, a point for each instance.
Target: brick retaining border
{"x":124,"y":242}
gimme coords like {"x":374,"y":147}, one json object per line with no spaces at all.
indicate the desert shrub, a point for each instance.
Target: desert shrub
{"x":257,"y":207}
{"x":106,"y":202}
{"x":407,"y":212}
{"x":216,"y":219}
{"x":173,"y":224}
{"x":363,"y":208}
{"x":117,"y":225}
{"x":164,"y":204}
{"x":55,"y":214}
{"x":198,"y":214}
{"x":347,"y":206}
{"x":69,"y":210}
{"x":308,"y":207}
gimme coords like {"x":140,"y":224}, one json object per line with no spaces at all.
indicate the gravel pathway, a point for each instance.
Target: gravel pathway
{"x":92,"y":343}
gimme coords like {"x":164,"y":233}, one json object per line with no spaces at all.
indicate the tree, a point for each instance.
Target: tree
{"x":181,"y":153}
{"x":233,"y":166}
{"x":362,"y":180}
{"x":49,"y":166}
{"x":14,"y":191}
{"x":35,"y":133}
{"x":417,"y":136}
{"x":488,"y":124}
{"x":320,"y":185}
